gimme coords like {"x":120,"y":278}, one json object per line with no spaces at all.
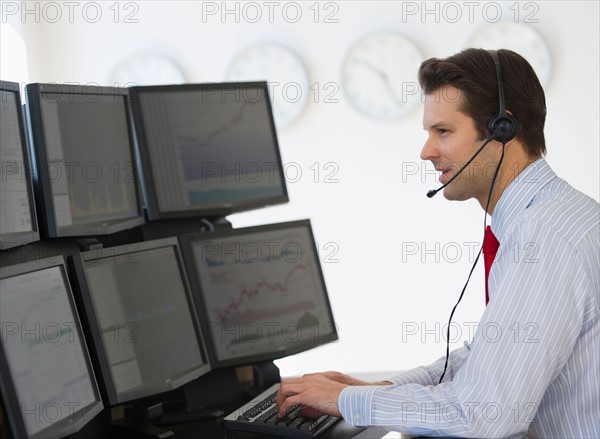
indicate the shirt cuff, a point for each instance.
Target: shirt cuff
{"x":355,"y":404}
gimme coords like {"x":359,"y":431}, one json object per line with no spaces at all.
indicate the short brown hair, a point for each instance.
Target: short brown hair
{"x":472,"y":71}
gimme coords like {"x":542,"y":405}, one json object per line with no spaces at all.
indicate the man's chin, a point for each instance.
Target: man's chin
{"x":453,"y":195}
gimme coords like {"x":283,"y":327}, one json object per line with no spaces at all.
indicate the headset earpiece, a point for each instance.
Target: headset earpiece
{"x":503,"y":127}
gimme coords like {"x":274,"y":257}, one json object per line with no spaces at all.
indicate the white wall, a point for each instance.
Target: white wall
{"x":373,"y":210}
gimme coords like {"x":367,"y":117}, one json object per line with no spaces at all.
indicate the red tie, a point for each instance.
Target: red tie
{"x":490,"y":248}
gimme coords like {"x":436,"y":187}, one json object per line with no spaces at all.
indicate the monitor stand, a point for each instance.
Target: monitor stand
{"x":201,"y":399}
{"x":265,"y":375}
{"x":137,"y":423}
{"x":146,"y":419}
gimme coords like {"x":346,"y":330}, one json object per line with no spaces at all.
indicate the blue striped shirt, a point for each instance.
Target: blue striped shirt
{"x":533,"y":367}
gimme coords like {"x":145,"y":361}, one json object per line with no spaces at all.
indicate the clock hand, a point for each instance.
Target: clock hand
{"x":384,"y":77}
{"x":374,"y":69}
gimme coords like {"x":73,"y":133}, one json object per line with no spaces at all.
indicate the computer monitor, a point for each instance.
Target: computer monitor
{"x":86,"y":181}
{"x":261,"y":290}
{"x":47,"y":381}
{"x":207,"y":150}
{"x":142,"y":322}
{"x":18,"y":222}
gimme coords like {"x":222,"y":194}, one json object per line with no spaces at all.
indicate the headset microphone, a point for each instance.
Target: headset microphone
{"x":432,"y":192}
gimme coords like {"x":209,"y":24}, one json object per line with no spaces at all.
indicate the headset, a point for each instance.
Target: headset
{"x":502,"y":128}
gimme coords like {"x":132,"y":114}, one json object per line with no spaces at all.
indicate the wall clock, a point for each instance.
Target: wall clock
{"x":379,"y":75}
{"x":519,"y":38}
{"x":283,"y":70}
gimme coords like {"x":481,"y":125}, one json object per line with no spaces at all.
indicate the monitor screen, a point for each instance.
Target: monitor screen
{"x":145,"y":333}
{"x":207,"y":149}
{"x":85,"y":155}
{"x":261,"y":292}
{"x":18,"y":223}
{"x":49,"y":389}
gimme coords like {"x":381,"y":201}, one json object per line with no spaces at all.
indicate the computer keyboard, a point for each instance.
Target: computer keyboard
{"x":260,"y":416}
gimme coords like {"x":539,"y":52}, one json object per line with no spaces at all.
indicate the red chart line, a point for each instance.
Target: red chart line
{"x":250,"y":293}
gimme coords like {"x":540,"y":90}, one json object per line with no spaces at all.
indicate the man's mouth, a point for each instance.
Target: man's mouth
{"x":444,"y":174}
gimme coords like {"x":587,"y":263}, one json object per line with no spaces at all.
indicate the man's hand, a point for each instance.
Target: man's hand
{"x":317,"y":394}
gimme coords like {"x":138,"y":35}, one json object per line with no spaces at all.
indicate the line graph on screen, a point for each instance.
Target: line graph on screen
{"x":253,"y":297}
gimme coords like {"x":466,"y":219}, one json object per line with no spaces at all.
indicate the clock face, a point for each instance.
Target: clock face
{"x":519,"y":38}
{"x":147,"y":69}
{"x":285,"y":73}
{"x":380,"y":75}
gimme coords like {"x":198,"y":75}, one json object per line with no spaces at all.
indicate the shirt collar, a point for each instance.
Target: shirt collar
{"x":519,"y":194}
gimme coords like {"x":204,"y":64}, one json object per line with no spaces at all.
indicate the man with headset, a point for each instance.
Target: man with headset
{"x":539,"y":381}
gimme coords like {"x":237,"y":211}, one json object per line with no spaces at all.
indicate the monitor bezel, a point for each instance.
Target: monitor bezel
{"x":76,"y":421}
{"x":14,"y":239}
{"x":92,"y":327}
{"x":153,"y":209}
{"x":34,"y":94}
{"x":187,"y":242}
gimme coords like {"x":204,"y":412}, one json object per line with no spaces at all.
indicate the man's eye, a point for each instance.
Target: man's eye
{"x":443,"y":131}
